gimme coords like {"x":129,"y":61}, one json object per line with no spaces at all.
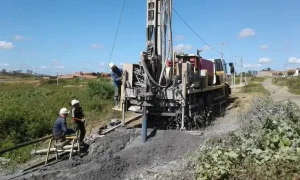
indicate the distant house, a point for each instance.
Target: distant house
{"x":297,"y":73}
{"x":265,"y":74}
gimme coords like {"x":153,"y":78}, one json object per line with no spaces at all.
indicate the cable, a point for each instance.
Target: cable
{"x":112,"y":50}
{"x":194,"y":31}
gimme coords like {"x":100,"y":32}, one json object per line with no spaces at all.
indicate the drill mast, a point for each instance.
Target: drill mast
{"x":159,"y":38}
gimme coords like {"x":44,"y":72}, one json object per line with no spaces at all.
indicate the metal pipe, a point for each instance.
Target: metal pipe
{"x":42,"y":151}
{"x":144,"y":125}
{"x":183,"y":99}
{"x":25,"y":144}
{"x":124,"y":97}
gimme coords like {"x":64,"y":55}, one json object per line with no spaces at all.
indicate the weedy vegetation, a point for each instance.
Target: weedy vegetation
{"x":266,"y":147}
{"x":253,"y":87}
{"x":28,"y":111}
{"x":293,"y":83}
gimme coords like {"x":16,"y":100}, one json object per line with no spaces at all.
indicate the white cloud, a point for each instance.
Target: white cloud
{"x":102,"y":64}
{"x":43,"y":67}
{"x":97,"y":46}
{"x":6,"y":45}
{"x":4,"y":64}
{"x":19,"y":37}
{"x":246,"y":32}
{"x":264,"y":47}
{"x":249,"y":66}
{"x":179,"y":37}
{"x":182,"y":47}
{"x":264,"y":60}
{"x":294,"y":60}
{"x":60,"y":67}
{"x":121,"y":64}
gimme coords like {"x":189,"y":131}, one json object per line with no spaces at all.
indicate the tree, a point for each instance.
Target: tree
{"x":291,"y":72}
{"x":280,"y":73}
{"x":29,"y":71}
{"x":3,"y":71}
{"x":249,"y":72}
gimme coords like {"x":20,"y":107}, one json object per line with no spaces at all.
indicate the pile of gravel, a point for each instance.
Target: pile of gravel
{"x":121,"y":155}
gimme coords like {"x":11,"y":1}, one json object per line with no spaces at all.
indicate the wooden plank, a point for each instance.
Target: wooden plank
{"x":129,"y":120}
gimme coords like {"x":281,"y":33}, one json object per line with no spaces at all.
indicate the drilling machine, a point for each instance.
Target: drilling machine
{"x":174,"y":88}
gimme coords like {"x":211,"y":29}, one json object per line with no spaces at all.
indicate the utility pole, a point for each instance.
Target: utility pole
{"x":234,"y":69}
{"x":241,"y":78}
{"x":284,"y":70}
{"x":245,"y":69}
{"x":221,"y":48}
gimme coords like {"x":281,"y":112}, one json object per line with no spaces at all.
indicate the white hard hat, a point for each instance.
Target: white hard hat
{"x":74,"y":101}
{"x":111,"y":65}
{"x":64,"y":111}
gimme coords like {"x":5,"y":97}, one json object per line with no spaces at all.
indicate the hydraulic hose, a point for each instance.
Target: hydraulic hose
{"x":149,"y":75}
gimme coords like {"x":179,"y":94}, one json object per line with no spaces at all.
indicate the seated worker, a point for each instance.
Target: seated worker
{"x":79,"y":119}
{"x":60,"y":129}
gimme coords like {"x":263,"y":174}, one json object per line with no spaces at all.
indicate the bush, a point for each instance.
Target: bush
{"x":101,"y":88}
{"x":291,"y":72}
{"x":266,"y":148}
{"x":28,"y":112}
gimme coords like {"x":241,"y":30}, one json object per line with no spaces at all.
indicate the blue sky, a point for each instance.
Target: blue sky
{"x":68,"y":36}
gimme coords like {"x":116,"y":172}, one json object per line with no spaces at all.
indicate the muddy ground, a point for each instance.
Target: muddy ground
{"x":121,"y":154}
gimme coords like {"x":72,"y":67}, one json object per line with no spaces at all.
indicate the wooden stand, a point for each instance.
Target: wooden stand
{"x":74,"y":139}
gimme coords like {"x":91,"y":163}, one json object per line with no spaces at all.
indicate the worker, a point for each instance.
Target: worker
{"x":79,"y":119}
{"x":116,"y":75}
{"x":60,"y":128}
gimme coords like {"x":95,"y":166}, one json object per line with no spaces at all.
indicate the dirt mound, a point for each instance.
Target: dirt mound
{"x":121,"y":154}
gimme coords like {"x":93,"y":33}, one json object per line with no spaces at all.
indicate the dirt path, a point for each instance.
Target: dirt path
{"x":280,"y":92}
{"x":121,"y":154}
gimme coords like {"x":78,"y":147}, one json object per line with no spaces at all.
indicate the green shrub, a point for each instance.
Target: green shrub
{"x":28,"y":111}
{"x":101,"y":88}
{"x":266,"y":148}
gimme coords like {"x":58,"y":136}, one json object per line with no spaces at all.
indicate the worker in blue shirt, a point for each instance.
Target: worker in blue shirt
{"x":60,"y":128}
{"x":116,"y":75}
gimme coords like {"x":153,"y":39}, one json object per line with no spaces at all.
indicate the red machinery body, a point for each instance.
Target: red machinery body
{"x":209,"y":66}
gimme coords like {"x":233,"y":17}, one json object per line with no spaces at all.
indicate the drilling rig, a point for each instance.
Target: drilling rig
{"x":179,"y":90}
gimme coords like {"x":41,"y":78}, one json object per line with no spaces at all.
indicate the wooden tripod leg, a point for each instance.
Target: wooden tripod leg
{"x":47,"y":156}
{"x":71,"y":152}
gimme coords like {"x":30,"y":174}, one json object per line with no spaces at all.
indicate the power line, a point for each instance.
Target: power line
{"x":194,"y":31}
{"x":112,"y":50}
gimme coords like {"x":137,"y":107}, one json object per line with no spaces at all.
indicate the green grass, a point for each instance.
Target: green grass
{"x":249,"y":79}
{"x":257,"y":79}
{"x":293,"y":83}
{"x":252,"y":87}
{"x":28,"y":111}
